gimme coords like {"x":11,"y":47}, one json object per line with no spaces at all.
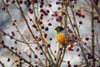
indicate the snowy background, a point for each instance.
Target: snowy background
{"x":72,"y":56}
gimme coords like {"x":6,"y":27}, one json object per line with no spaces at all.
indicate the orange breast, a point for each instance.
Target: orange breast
{"x":61,"y":38}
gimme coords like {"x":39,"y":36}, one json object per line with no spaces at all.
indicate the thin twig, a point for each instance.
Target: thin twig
{"x":16,"y":38}
{"x":20,"y":32}
{"x":62,"y":56}
{"x":30,"y":29}
{"x":92,"y":34}
{"x":81,"y":46}
{"x":41,"y":35}
{"x":96,"y":8}
{"x":2,"y":64}
{"x":16,"y":54}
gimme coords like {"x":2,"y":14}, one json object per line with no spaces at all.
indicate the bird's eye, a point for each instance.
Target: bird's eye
{"x":58,"y":28}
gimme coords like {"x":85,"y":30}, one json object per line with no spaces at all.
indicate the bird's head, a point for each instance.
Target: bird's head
{"x":59,"y":29}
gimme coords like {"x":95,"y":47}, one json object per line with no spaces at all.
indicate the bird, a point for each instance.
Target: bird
{"x":63,"y":38}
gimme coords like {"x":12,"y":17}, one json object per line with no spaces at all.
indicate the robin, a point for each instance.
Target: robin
{"x":63,"y":38}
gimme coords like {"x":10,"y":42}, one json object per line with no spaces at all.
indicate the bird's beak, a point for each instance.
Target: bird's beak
{"x":53,"y":30}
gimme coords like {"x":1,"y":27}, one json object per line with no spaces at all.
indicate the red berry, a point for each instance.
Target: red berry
{"x":83,"y":16}
{"x":77,"y":13}
{"x":35,"y":56}
{"x":80,"y":22}
{"x":92,"y":30}
{"x":45,"y":35}
{"x":34,"y":26}
{"x":31,"y":12}
{"x":11,"y":37}
{"x":30,"y":56}
{"x":68,"y":62}
{"x":50,"y":39}
{"x":30,"y":19}
{"x":12,"y":48}
{"x":29,"y":9}
{"x":13,"y":1}
{"x":46,"y":29}
{"x":13,"y":34}
{"x":59,"y":18}
{"x":59,"y":8}
{"x":40,"y":47}
{"x":40,"y":22}
{"x":2,"y":42}
{"x":41,"y":53}
{"x":48,"y":45}
{"x":49,"y":24}
{"x":8,"y":59}
{"x":15,"y":42}
{"x":49,"y":5}
{"x":77,"y":49}
{"x":47,"y":11}
{"x":98,"y":20}
{"x":58,"y":2}
{"x":7,"y":0}
{"x":96,"y":17}
{"x":20,"y":1}
{"x":42,"y":27}
{"x":36,"y":48}
{"x":60,"y":49}
{"x":25,"y":2}
{"x":87,"y":39}
{"x":3,"y":8}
